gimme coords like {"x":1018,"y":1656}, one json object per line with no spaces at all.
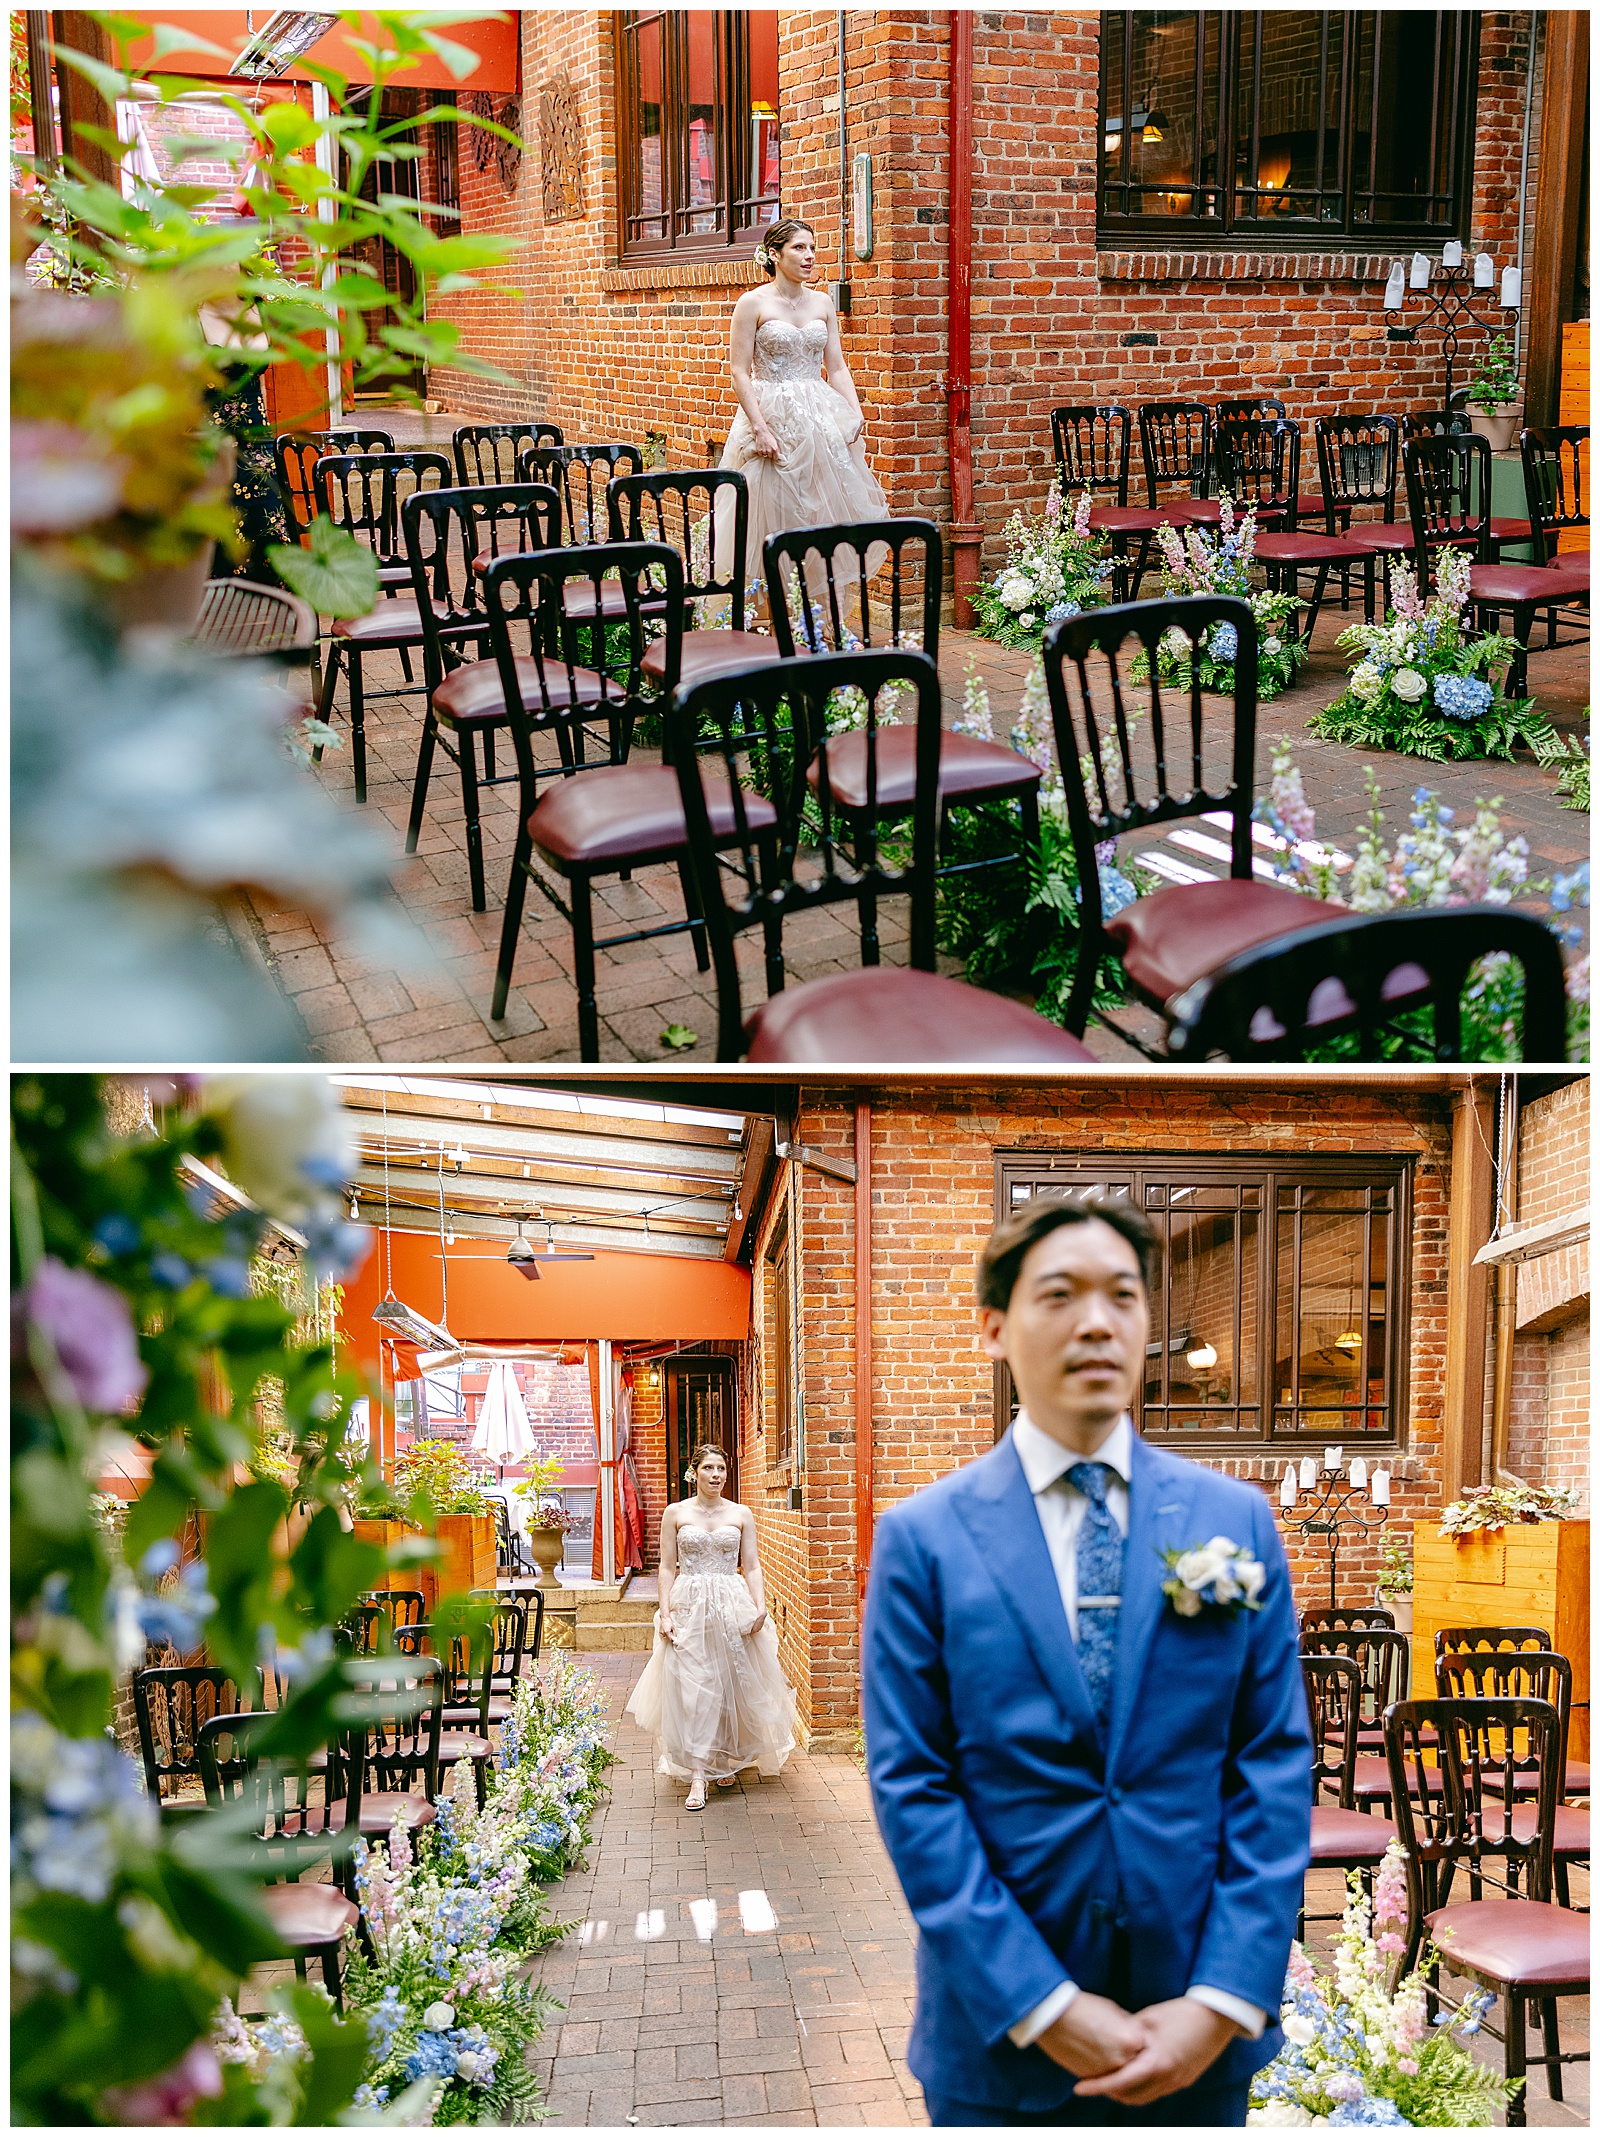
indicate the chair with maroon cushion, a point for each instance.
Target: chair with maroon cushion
{"x":1147,"y":770}
{"x":1469,"y":1639}
{"x":397,"y":1744}
{"x":680,"y":510}
{"x":1358,"y":460}
{"x":1175,"y":444}
{"x":1258,"y":466}
{"x":1351,"y":980}
{"x":511,"y":1648}
{"x":1436,"y":423}
{"x":488,"y":452}
{"x":297,"y":454}
{"x":818,"y":579}
{"x":466,"y":1662}
{"x":1266,"y":407}
{"x":810,"y":854}
{"x":451,"y":537}
{"x":362,"y":493}
{"x":171,"y":1707}
{"x":1554,"y":467}
{"x":1342,"y":1838}
{"x":1382,"y":1659}
{"x":583,"y":474}
{"x":1510,"y":1673}
{"x":1447,"y":487}
{"x":1522,"y":1948}
{"x":1093,"y":450}
{"x":586,"y":819}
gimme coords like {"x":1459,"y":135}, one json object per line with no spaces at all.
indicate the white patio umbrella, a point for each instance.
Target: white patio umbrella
{"x":502,"y":1431}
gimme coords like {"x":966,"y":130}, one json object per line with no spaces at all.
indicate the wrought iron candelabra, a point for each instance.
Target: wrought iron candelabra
{"x":1451,"y":292}
{"x":1335,"y":1501}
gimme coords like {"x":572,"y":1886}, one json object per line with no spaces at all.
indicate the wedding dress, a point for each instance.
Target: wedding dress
{"x":817,"y":480}
{"x":714,"y":1698}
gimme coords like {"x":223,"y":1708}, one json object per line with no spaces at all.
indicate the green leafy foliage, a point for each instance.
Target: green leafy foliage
{"x":1568,"y":755}
{"x":337,"y":574}
{"x":1494,"y":381}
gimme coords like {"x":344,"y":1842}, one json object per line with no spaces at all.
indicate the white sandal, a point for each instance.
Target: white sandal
{"x":696,"y":1798}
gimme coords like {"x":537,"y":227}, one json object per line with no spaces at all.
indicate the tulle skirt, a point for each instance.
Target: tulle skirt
{"x":817,"y":480}
{"x":715,"y":1700}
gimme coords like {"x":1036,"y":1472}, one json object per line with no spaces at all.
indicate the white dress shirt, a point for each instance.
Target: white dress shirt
{"x":1061,"y":1508}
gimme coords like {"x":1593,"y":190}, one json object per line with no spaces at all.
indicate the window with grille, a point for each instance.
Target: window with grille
{"x":697,"y":127}
{"x":1278,"y":1317}
{"x":1288,"y":125}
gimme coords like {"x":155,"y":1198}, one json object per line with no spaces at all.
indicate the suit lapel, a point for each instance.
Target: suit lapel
{"x":1005,"y":1525}
{"x":1159,"y":1492}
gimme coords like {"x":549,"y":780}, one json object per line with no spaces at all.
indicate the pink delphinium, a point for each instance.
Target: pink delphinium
{"x":1453,"y":577}
{"x":1052,"y":505}
{"x":399,"y":1845}
{"x":1301,"y":1972}
{"x":1287,"y":798}
{"x":1406,"y":601}
{"x":1390,"y":1903}
{"x":1080,"y":516}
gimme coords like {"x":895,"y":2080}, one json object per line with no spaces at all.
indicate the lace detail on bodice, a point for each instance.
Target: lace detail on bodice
{"x":787,"y":355}
{"x":709,"y":1551}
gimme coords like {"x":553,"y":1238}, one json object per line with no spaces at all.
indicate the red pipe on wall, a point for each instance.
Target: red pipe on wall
{"x":965,"y":534}
{"x":863,"y":1365}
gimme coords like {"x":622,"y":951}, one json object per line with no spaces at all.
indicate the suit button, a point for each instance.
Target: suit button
{"x":1113,"y":1795}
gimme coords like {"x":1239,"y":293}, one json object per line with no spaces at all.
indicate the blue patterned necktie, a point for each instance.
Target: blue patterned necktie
{"x":1101,"y":1545}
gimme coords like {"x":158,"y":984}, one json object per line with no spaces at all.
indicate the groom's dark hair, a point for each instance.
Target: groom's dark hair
{"x":1014,"y":1238}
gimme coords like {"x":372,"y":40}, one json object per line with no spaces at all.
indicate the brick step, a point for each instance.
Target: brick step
{"x":605,"y":1636}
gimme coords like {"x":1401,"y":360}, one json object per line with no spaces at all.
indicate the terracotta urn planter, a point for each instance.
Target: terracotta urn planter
{"x":1500,"y":429}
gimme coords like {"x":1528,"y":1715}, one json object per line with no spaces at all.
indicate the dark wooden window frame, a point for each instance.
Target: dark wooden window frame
{"x":1456,"y":106}
{"x":737,"y":202}
{"x":1059,"y":1171}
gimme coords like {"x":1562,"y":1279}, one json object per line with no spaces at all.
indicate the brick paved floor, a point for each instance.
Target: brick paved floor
{"x":357,"y":1007}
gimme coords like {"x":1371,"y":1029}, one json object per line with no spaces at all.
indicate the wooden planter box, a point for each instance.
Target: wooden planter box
{"x":470,"y":1559}
{"x":1526,"y":1574}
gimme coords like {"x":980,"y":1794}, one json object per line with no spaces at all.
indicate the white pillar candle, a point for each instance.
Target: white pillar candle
{"x":1420,"y":270}
{"x":1380,"y":1487}
{"x":1511,"y":288}
{"x":1333,"y":1459}
{"x":1288,"y":1491}
{"x":1394,"y":290}
{"x":1483,"y":271}
{"x":1308,"y":1474}
{"x":1452,"y":252}
{"x":1358,"y":1474}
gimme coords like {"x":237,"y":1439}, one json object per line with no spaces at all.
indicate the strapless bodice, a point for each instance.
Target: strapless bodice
{"x":787,"y":355}
{"x":707,"y":1551}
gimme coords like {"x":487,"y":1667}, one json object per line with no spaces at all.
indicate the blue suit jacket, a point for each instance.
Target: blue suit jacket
{"x":1021,"y":1839}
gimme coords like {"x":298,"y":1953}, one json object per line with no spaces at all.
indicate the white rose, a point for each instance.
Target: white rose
{"x":1250,"y":1574}
{"x":1186,"y":1603}
{"x":439,"y":2017}
{"x":1176,"y":642}
{"x":1299,"y":2029}
{"x":283,"y":1137}
{"x":1197,"y":1569}
{"x":1408,"y":685}
{"x":1027,"y":619}
{"x":472,"y":2067}
{"x":1272,"y":645}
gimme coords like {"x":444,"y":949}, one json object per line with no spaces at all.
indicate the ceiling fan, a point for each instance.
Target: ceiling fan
{"x":526,"y":1259}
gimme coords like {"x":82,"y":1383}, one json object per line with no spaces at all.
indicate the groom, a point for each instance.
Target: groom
{"x":1098,"y":1807}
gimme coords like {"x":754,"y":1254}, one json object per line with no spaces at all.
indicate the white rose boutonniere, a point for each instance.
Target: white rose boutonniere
{"x":1219,"y":1575}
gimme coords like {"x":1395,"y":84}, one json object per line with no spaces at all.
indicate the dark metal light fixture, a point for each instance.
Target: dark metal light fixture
{"x":288,"y":35}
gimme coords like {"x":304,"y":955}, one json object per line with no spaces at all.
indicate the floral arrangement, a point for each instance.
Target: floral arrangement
{"x":1360,"y":2054}
{"x":1394,"y":1571}
{"x":1498,"y":1506}
{"x":1192,"y":563}
{"x":1055,"y":568}
{"x":1219,"y":1575}
{"x":546,"y":1507}
{"x":1423,"y":685}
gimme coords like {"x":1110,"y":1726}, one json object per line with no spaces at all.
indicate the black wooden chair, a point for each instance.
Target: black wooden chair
{"x":466,"y":1665}
{"x":1382,"y":1659}
{"x":1358,"y":460}
{"x":1093,"y":450}
{"x":1156,"y":771}
{"x":1258,"y":465}
{"x":1353,"y":978}
{"x":1342,"y":1837}
{"x":582,"y":473}
{"x":397,"y":1742}
{"x":1456,"y":422}
{"x":704,"y":514}
{"x":510,"y":1648}
{"x":487,"y":453}
{"x":291,"y":1828}
{"x":1471,"y":1639}
{"x":402,"y":1606}
{"x":297,"y":454}
{"x":451,"y":536}
{"x":363,"y":493}
{"x":1554,"y":467}
{"x":805,"y":853}
{"x":170,"y":1708}
{"x":1175,"y":445}
{"x":240,"y":620}
{"x":588,"y":820}
{"x":1342,"y":1620}
{"x":825,"y":595}
{"x":1507,"y":1673}
{"x":1447,"y":490}
{"x":1520,"y":1947}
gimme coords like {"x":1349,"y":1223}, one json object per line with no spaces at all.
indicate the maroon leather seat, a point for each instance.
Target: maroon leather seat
{"x":1577,"y":1777}
{"x":1173,"y":937}
{"x":391,"y":623}
{"x":1510,"y":530}
{"x":1347,"y":1836}
{"x":1372,"y":1779}
{"x":1381,"y":537}
{"x":884,"y":1013}
{"x":1124,"y":519}
{"x":1511,"y":584}
{"x":1521,"y":1941}
{"x":379,"y":1809}
{"x":1572,"y":1827}
{"x":1305,"y":546}
{"x":464,"y":1717}
{"x":462,"y":1744}
{"x":577,"y":599}
{"x":708,"y":653}
{"x":473,"y":692}
{"x":304,"y":1916}
{"x":629,"y":814}
{"x":967,"y":766}
{"x":1207,"y":511}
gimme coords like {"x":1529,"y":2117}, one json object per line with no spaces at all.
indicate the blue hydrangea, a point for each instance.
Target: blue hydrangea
{"x":1462,"y":697}
{"x":1063,"y":611}
{"x":433,"y":2057}
{"x":1223,"y":643}
{"x":1567,"y":891}
{"x":1365,"y":2115}
{"x":175,"y":1619}
{"x":117,"y":1234}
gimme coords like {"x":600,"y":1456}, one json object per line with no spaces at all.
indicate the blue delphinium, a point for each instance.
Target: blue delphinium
{"x":1223,"y":643}
{"x":1365,"y":2115}
{"x":1462,"y":697}
{"x":383,"y":2021}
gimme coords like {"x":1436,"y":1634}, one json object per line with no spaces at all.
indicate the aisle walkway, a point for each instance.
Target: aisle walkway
{"x":748,"y":1963}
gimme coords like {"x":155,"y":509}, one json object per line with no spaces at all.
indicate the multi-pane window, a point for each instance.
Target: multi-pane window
{"x":1278,"y":1315}
{"x":779,"y":1346}
{"x":697,"y":110}
{"x":1295,"y":124}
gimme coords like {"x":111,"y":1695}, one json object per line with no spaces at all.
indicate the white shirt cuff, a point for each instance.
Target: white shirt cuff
{"x":1043,"y":2015}
{"x":1248,"y":2017}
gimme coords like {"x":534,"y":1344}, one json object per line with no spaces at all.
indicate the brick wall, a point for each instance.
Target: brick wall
{"x":630,"y":351}
{"x":1548,"y":1440}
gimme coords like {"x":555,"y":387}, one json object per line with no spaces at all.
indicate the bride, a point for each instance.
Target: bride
{"x":797,"y":439}
{"x":713,"y":1693}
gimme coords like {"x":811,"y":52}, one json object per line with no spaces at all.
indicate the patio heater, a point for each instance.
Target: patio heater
{"x":1451,"y":298}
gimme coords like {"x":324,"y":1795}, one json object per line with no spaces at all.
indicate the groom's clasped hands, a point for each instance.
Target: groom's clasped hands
{"x":1135,"y":2056}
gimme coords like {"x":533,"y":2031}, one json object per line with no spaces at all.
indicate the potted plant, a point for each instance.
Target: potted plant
{"x":1492,"y":397}
{"x":1394,"y":1585}
{"x":548,"y":1518}
{"x":441,"y":1486}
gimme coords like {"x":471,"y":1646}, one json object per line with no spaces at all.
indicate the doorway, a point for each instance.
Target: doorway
{"x":700,"y":1409}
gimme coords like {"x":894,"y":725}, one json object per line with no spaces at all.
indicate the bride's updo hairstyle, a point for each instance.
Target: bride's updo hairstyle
{"x":778,"y":235}
{"x":705,"y":1447}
